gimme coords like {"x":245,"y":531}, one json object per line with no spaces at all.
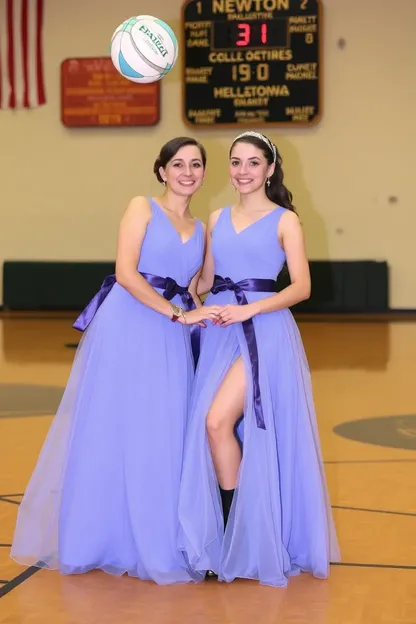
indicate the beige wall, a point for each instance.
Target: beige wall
{"x":62,"y":191}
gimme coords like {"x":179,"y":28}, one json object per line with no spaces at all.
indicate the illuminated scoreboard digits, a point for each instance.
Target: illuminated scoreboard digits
{"x":251,"y":62}
{"x":234,"y":35}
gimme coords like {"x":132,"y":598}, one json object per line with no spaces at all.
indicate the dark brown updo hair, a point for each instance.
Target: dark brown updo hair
{"x":171,"y":148}
{"x":277,"y":191}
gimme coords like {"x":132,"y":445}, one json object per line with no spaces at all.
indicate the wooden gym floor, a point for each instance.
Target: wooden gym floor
{"x":364,"y":377}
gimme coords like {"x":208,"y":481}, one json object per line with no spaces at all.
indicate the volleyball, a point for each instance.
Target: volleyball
{"x":144,"y":49}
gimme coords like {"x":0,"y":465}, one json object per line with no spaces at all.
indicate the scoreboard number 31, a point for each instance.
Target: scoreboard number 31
{"x":254,"y":62}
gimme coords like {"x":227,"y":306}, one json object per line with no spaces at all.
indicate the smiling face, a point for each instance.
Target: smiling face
{"x":249,"y":168}
{"x":185,"y":171}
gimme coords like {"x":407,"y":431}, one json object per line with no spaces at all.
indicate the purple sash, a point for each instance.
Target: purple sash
{"x":170,"y":289}
{"x":222,"y":284}
{"x":91,"y":308}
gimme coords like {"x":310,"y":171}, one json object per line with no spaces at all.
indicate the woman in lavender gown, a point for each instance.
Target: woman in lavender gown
{"x":104,"y":493}
{"x":253,"y":501}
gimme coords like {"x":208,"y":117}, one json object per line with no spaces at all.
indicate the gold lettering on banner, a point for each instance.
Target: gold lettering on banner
{"x":197,"y":25}
{"x":249,"y":6}
{"x":198,"y":75}
{"x":301,"y":71}
{"x":302,"y":28}
{"x":245,"y":72}
{"x":297,"y":110}
{"x":259,"y":91}
{"x":302,"y":19}
{"x":296,"y":67}
{"x":238,"y":102}
{"x":252,"y":83}
{"x":303,"y":75}
{"x":300,"y":113}
{"x":198,"y":43}
{"x":226,"y":57}
{"x":206,"y":116}
{"x":250,"y":55}
{"x":303,"y":24}
{"x":269,"y":55}
{"x":251,"y":116}
{"x":199,"y":34}
{"x":248,"y":17}
{"x":204,"y":111}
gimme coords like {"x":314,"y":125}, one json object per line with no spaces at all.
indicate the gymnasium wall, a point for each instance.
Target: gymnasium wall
{"x":62,"y":191}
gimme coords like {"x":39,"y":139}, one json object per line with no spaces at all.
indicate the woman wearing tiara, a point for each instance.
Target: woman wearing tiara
{"x":253,"y":501}
{"x":104,"y":493}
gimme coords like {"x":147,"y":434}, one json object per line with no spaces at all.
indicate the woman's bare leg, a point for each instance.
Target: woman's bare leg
{"x":225,"y":411}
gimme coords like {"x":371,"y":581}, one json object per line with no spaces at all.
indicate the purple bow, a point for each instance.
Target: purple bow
{"x":90,"y":310}
{"x":170,"y":289}
{"x":222,"y":284}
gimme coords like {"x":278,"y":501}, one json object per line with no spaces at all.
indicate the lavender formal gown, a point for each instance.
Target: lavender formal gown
{"x":280,"y":522}
{"x":104,"y":492}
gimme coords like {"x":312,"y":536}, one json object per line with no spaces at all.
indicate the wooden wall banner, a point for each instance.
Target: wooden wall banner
{"x":252,"y":62}
{"x":93,"y":93}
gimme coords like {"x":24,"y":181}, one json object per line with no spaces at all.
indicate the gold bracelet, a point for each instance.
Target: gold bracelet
{"x":176,"y":312}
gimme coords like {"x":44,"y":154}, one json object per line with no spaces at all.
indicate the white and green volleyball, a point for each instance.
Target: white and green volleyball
{"x":144,"y":49}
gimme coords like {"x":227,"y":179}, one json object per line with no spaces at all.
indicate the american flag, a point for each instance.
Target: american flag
{"x":21,"y":54}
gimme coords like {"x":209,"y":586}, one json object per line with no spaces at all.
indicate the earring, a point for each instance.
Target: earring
{"x":164,"y":182}
{"x":268,"y":182}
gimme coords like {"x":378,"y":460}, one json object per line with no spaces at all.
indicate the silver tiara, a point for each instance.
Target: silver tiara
{"x":263,"y":138}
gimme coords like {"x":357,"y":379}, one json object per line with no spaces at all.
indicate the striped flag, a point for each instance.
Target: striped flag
{"x":21,"y":54}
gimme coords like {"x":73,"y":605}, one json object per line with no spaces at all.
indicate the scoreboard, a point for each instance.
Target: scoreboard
{"x":255,"y":62}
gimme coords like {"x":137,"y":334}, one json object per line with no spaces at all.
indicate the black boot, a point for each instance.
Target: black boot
{"x":227,"y":499}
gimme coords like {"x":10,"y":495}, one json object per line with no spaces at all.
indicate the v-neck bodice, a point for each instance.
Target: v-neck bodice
{"x":253,"y":252}
{"x":163,"y":251}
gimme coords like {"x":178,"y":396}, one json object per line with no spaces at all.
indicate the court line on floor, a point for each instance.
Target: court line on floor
{"x":384,"y":566}
{"x":24,"y":576}
{"x":379,"y":511}
{"x":8,"y":586}
{"x":370,"y":461}
{"x":18,"y":580}
{"x":19,"y":494}
{"x":5,"y":499}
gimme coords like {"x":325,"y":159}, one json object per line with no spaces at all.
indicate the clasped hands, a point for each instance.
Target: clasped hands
{"x":220,"y":315}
